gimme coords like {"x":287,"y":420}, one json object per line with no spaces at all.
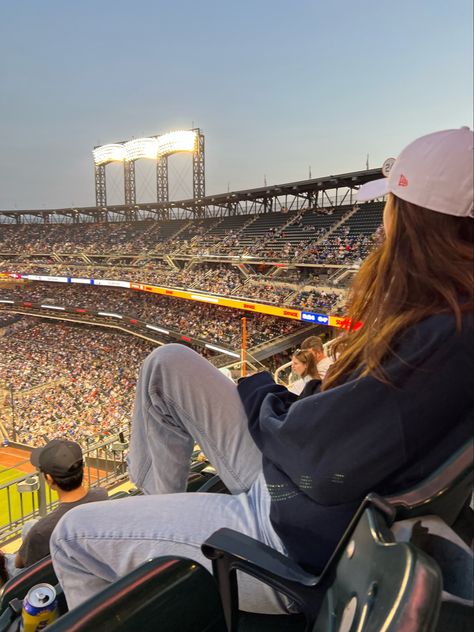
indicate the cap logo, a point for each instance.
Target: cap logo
{"x":402,"y":182}
{"x":387,"y":166}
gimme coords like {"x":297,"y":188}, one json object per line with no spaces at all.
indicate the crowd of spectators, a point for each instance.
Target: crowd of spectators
{"x":194,"y":319}
{"x":218,"y":279}
{"x":151,"y":237}
{"x":124,"y":237}
{"x":345,"y":249}
{"x":67,"y":381}
{"x":270,"y":292}
{"x":313,"y":299}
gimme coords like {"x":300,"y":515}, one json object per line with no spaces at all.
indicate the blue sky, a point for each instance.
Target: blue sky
{"x":276,"y":86}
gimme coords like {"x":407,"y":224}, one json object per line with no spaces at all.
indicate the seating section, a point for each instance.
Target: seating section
{"x":277,"y":235}
{"x":372,"y":582}
{"x":200,"y":254}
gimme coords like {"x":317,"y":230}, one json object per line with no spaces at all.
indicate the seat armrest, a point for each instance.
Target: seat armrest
{"x":231,"y":551}
{"x":255,"y":557}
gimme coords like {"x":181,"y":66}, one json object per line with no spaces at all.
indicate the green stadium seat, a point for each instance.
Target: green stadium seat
{"x":370,"y":583}
{"x":214,"y":485}
{"x":18,"y":586}
{"x":167,"y":594}
{"x":198,"y":466}
{"x":444,"y":493}
{"x":13,"y":592}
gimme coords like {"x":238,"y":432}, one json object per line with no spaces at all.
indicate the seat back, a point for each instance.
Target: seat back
{"x":380,"y":584}
{"x":17,"y":587}
{"x":443,"y":493}
{"x":165,"y":594}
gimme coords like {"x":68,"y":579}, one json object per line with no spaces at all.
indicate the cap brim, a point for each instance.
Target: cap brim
{"x":35,"y":456}
{"x":372,"y":190}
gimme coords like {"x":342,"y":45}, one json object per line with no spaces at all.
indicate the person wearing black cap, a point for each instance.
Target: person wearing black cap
{"x":62,"y":465}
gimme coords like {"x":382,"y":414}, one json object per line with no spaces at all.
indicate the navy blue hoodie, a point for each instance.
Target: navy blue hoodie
{"x":322,"y":454}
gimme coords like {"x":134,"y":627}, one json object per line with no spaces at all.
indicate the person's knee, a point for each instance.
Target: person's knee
{"x":169,"y":356}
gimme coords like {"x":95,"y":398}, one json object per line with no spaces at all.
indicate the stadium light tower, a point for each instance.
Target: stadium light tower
{"x":157,"y":148}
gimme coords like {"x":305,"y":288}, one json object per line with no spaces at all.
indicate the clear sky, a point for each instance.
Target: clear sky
{"x":276,"y":86}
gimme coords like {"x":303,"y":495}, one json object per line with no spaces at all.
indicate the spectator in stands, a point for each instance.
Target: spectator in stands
{"x":315,"y":344}
{"x":397,"y":403}
{"x":303,"y":364}
{"x":61,"y":463}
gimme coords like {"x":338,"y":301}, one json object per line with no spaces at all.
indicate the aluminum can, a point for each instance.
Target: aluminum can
{"x":40,"y":608}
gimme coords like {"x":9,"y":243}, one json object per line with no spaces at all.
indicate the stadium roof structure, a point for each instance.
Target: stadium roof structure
{"x":272,"y":198}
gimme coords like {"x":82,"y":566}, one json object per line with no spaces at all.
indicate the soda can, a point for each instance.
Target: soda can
{"x":40,"y":608}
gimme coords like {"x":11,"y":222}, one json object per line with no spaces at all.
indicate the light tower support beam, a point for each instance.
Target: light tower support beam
{"x":162,"y":191}
{"x":100,"y":187}
{"x":199,"y":177}
{"x":129,"y":182}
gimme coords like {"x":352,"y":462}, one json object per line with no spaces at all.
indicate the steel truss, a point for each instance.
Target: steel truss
{"x":100,"y":186}
{"x":331,"y":191}
{"x":162,"y":180}
{"x":199,"y":176}
{"x":129,"y":182}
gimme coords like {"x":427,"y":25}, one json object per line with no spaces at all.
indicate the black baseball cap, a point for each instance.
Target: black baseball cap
{"x":59,"y":457}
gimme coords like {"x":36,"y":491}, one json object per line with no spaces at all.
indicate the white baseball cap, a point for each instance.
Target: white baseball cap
{"x":435,"y":171}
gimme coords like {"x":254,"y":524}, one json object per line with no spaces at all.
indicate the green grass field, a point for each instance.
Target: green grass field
{"x":12,"y":504}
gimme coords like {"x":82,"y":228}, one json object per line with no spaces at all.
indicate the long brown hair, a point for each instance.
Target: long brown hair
{"x":424,"y":266}
{"x":306,"y":357}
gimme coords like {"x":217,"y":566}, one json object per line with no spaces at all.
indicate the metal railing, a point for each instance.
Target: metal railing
{"x":28,"y":497}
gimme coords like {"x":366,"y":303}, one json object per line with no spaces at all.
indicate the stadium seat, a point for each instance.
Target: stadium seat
{"x":444,"y":493}
{"x":18,"y":586}
{"x":167,"y":594}
{"x":214,"y":485}
{"x":370,"y":583}
{"x":13,"y":592}
{"x":198,"y":466}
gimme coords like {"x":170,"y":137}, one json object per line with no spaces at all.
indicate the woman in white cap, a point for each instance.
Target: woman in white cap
{"x":397,"y":403}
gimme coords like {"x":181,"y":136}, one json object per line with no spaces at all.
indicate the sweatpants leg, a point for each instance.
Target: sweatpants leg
{"x":97,"y":543}
{"x":182,"y":398}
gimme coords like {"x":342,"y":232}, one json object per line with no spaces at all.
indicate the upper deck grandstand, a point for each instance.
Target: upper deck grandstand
{"x":292,"y":245}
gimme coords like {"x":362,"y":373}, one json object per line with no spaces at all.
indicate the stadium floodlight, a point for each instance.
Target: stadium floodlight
{"x":221,"y":350}
{"x":141,"y":148}
{"x":150,"y":147}
{"x":156,"y":148}
{"x":113,"y":152}
{"x":180,"y":140}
